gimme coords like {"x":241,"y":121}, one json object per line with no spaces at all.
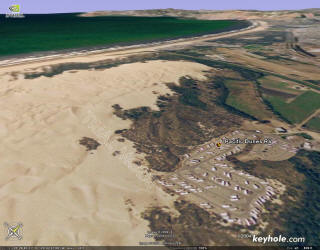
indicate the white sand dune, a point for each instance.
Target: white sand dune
{"x":63,"y":194}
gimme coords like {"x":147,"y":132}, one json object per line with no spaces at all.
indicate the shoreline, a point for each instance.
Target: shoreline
{"x":52,"y":55}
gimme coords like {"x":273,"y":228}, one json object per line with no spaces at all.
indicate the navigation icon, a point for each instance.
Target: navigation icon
{"x":14,"y":231}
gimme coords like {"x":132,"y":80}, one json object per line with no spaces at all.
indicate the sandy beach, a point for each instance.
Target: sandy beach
{"x":126,"y":50}
{"x":63,"y":194}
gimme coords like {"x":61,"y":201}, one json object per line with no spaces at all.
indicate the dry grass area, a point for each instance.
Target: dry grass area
{"x":212,"y":14}
{"x":239,"y":56}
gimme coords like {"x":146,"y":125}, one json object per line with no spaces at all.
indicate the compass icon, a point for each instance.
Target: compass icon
{"x":14,"y":231}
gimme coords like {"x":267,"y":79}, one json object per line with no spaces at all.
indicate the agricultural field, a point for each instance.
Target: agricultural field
{"x":243,"y":96}
{"x":65,"y":31}
{"x":254,"y":47}
{"x":314,"y":124}
{"x":275,"y":83}
{"x":298,"y":109}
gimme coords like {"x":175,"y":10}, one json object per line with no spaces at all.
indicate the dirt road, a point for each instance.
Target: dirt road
{"x":308,"y":118}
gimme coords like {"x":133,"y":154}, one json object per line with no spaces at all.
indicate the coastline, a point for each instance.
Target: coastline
{"x":49,"y":55}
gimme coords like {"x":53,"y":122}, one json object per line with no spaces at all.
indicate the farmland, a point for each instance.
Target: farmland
{"x":314,"y":124}
{"x":297,"y":110}
{"x":275,"y":83}
{"x":66,"y":31}
{"x":244,"y":97}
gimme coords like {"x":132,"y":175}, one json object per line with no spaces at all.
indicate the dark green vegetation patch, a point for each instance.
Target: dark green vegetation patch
{"x":89,"y":143}
{"x":66,"y":31}
{"x":305,"y":135}
{"x":193,"y":226}
{"x":190,"y":117}
{"x":190,"y":94}
{"x":314,"y":124}
{"x":300,"y":216}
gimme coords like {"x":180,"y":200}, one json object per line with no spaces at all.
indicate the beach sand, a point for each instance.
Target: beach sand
{"x":63,"y":194}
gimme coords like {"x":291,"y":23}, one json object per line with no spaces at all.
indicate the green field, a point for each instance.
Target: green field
{"x":297,"y":110}
{"x":314,"y":124}
{"x":243,"y":96}
{"x":277,"y":85}
{"x":254,"y":47}
{"x":65,"y":31}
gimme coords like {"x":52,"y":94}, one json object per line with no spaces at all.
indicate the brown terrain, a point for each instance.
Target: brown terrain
{"x":96,"y":132}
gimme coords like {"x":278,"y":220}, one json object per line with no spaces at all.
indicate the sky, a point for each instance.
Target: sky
{"x":64,"y":6}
